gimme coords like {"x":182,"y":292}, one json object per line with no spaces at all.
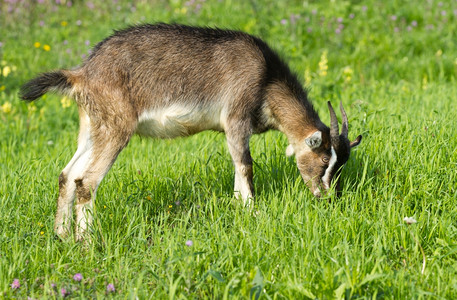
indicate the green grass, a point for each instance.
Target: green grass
{"x":161,"y":193}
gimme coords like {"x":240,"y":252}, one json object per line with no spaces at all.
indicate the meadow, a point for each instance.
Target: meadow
{"x":166,"y":224}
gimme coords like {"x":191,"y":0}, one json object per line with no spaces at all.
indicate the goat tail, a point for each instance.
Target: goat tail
{"x":58,"y":81}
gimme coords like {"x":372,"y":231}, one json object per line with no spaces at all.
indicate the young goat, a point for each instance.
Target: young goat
{"x":168,"y":81}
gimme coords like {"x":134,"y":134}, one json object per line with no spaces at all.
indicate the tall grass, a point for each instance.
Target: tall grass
{"x":392,"y":64}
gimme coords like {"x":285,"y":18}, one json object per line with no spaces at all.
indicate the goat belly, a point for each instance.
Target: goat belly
{"x":179,"y":120}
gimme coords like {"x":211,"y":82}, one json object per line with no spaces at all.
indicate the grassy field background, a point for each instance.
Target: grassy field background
{"x":166,"y":223}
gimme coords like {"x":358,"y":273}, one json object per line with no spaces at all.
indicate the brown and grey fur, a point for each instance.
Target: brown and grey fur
{"x":167,"y":81}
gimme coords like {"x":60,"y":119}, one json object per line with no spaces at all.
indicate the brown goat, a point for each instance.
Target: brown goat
{"x":169,"y":81}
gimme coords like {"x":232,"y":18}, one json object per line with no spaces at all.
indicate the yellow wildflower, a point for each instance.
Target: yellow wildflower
{"x":6,"y":71}
{"x":323,"y":67}
{"x":41,"y":232}
{"x":424,"y":82}
{"x":37,"y":45}
{"x":170,"y":206}
{"x":31,"y":107}
{"x":439,"y":53}
{"x":66,"y":102}
{"x":6,"y":107}
{"x":307,"y":77}
{"x":46,"y":47}
{"x":183,"y":10}
{"x":64,"y":23}
{"x":2,"y":88}
{"x":249,"y":25}
{"x":347,"y":73}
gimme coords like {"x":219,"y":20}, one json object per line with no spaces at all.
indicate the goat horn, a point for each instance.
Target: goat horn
{"x":345,"y":125}
{"x":334,"y":130}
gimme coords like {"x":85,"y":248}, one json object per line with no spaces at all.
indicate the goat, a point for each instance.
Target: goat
{"x":168,"y":81}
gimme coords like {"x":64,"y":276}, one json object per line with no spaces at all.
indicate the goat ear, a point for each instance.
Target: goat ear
{"x":356,"y":141}
{"x":290,"y":151}
{"x":315,"y":140}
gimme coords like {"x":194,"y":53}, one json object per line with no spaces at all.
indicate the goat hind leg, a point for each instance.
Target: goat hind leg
{"x":105,"y":151}
{"x":67,"y":187}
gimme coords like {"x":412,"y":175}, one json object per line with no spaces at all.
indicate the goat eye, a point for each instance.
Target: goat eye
{"x":326,"y":159}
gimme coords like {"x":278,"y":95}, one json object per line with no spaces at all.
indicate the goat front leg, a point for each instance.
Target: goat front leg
{"x":238,"y":145}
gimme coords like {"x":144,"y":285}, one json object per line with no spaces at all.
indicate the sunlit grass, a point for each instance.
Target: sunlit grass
{"x":166,"y":224}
